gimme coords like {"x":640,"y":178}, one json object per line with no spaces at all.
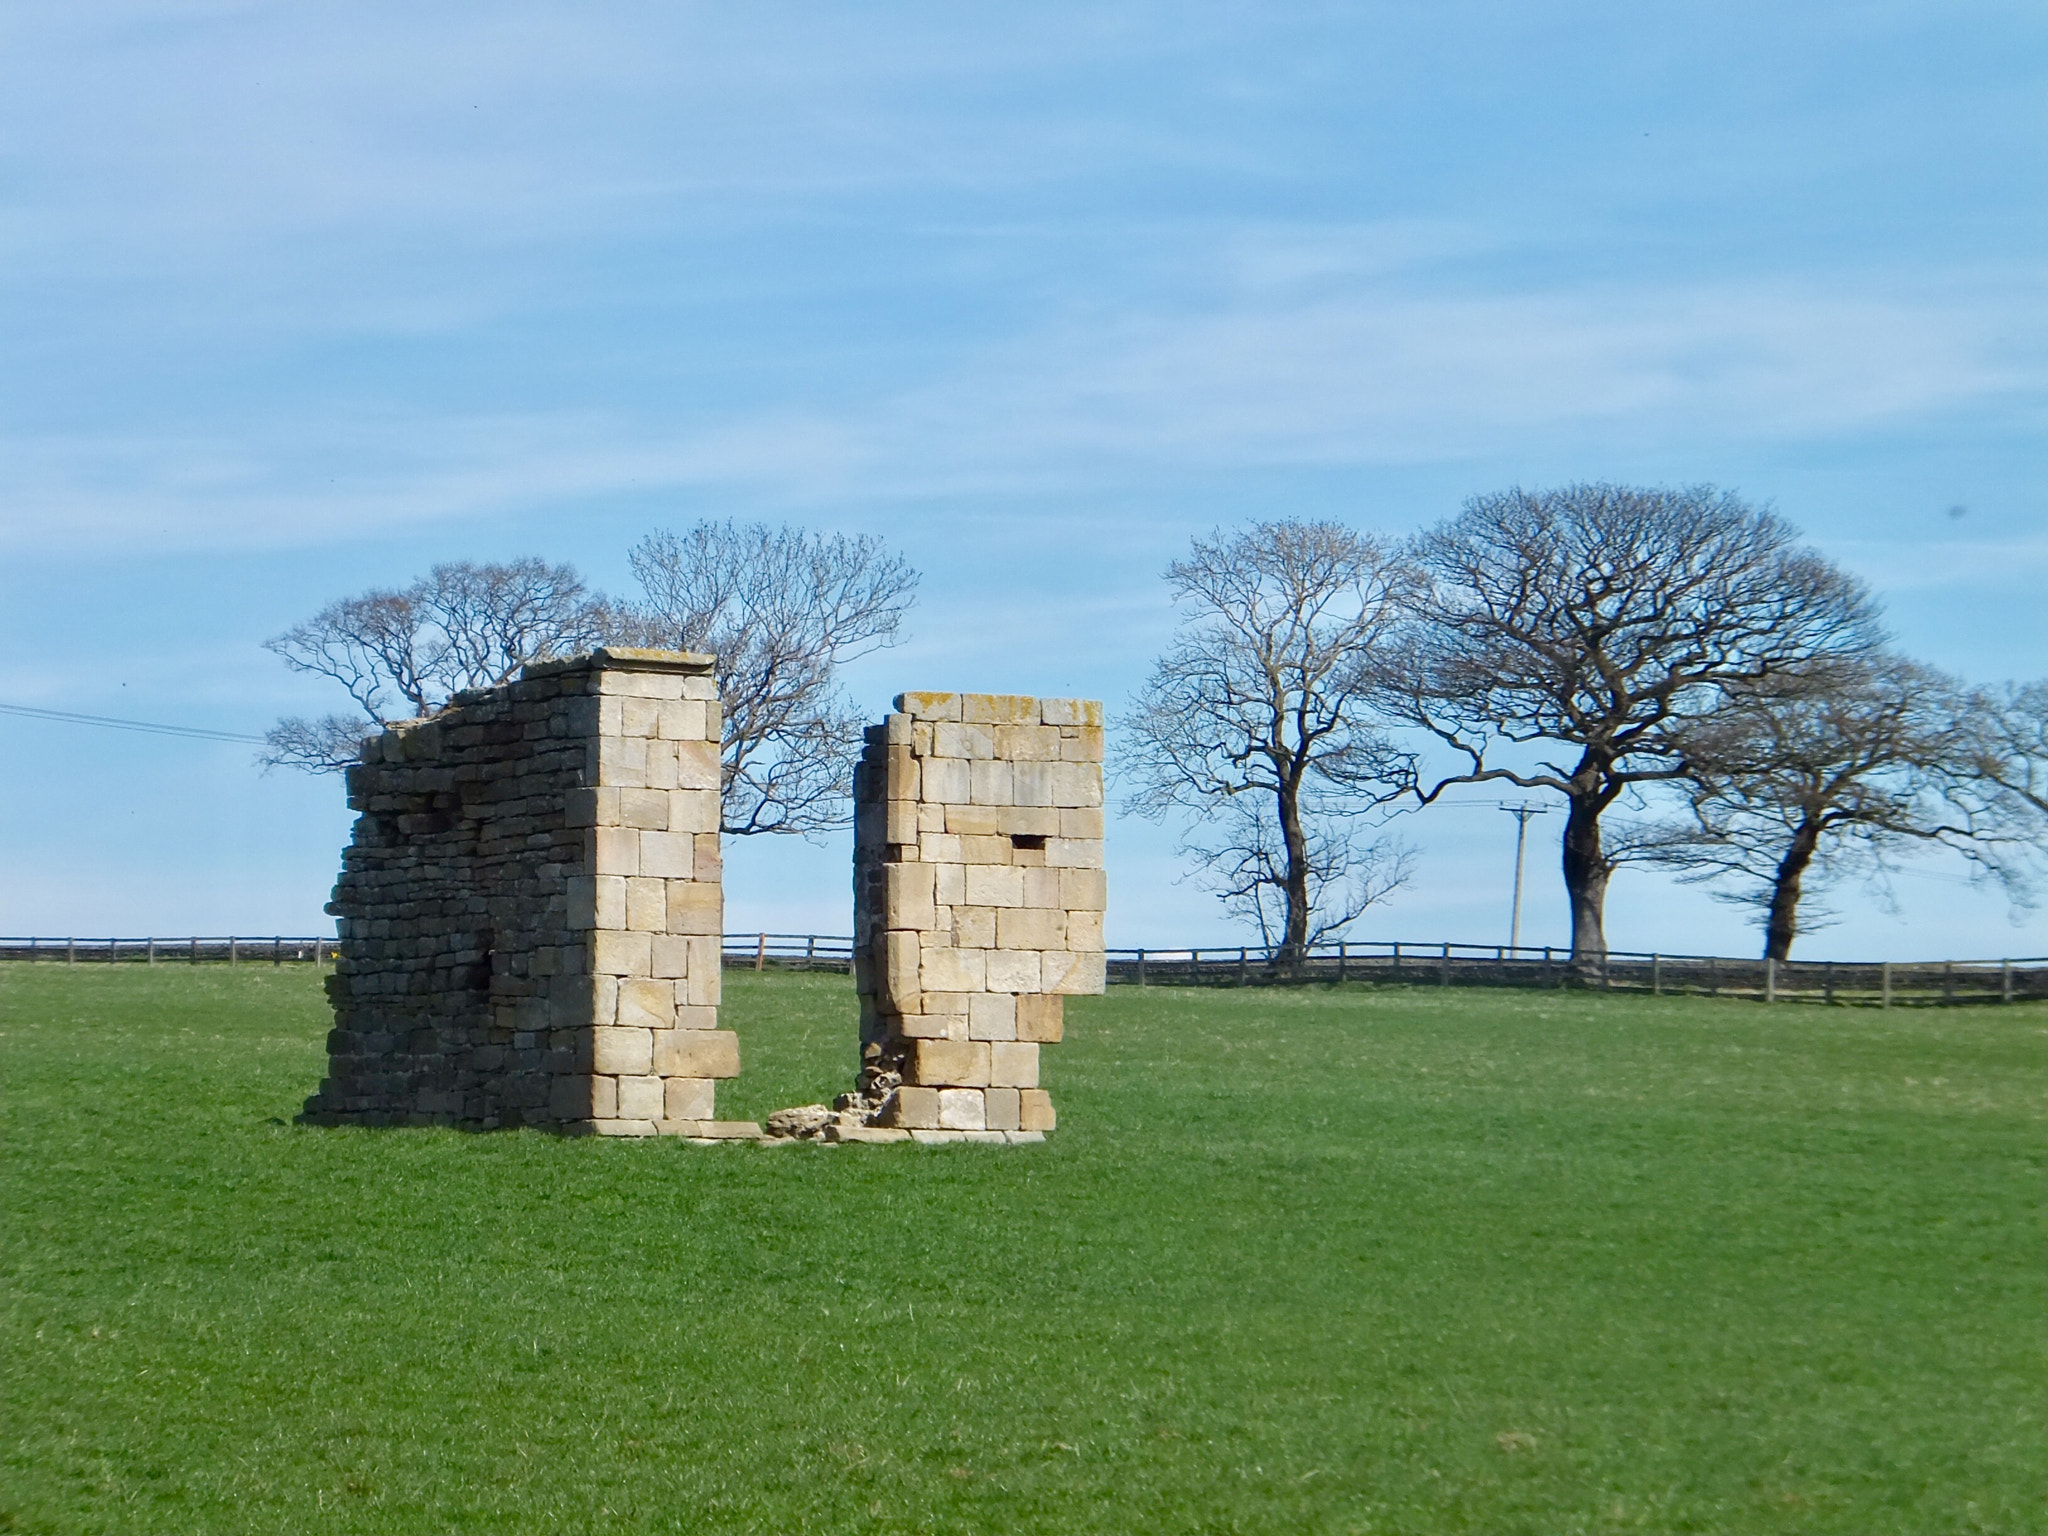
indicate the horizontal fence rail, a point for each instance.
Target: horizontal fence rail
{"x":1880,"y":982}
{"x":788,"y":952}
{"x":231,"y":950}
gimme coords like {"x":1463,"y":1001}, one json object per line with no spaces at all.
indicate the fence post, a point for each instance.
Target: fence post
{"x":1141,"y":967}
{"x":1948,"y":982}
{"x":1443,"y":968}
{"x":1713,"y":977}
{"x":32,"y":955}
{"x":1243,"y":962}
{"x":71,"y":951}
{"x":234,"y":950}
{"x":1340,"y":960}
{"x":1770,"y":980}
{"x":277,"y":949}
{"x":1827,"y":982}
{"x":1656,"y":975}
{"x":1397,"y":959}
{"x":2005,"y":981}
{"x":1884,"y":984}
{"x":1194,"y":967}
{"x":195,"y":949}
{"x":810,"y":949}
{"x":761,"y":953}
{"x":152,"y":951}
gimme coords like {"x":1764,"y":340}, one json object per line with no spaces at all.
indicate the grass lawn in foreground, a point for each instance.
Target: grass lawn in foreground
{"x":1315,"y":1260}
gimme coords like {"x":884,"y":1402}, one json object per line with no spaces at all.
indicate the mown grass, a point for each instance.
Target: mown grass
{"x":1301,"y":1261}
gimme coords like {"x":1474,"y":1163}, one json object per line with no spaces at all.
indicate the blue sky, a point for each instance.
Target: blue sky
{"x":298,"y":299}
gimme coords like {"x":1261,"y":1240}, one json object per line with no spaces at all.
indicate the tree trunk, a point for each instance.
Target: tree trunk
{"x":1585,"y":882}
{"x":1781,"y":925}
{"x":1294,"y":942}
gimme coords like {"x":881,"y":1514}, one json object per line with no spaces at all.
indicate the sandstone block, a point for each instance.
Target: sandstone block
{"x":1041,"y":1018}
{"x":661,"y":765}
{"x":640,"y":1098}
{"x":929,"y":706}
{"x":647,"y":904}
{"x":1075,"y":974}
{"x":1083,"y":746}
{"x":693,"y":810}
{"x":1082,"y":890}
{"x":907,"y":896}
{"x":962,"y":1109}
{"x":988,"y":783}
{"x":931,"y":1026}
{"x":999,"y":708}
{"x":1084,"y":931}
{"x":1035,"y":783}
{"x":969,"y":741}
{"x":949,"y":1062}
{"x":619,"y":952}
{"x":688,"y":1098}
{"x":1080,"y":822}
{"x":1073,"y":853}
{"x":1013,"y":1064}
{"x":994,"y":885}
{"x":1086,"y":712}
{"x":604,"y":1098}
{"x":974,"y":927}
{"x":622,"y":762}
{"x":681,"y":720}
{"x":697,"y":765}
{"x":992,"y":1016}
{"x":690,"y":1053}
{"x":1031,"y":928}
{"x":622,"y":1050}
{"x":1003,"y":1109}
{"x":704,"y":987}
{"x":1034,"y":1110}
{"x":644,"y":1003}
{"x":1012,"y":970}
{"x":670,"y":855}
{"x":616,"y":851}
{"x":902,"y":968}
{"x":1028,"y":743}
{"x":902,"y":822}
{"x":915,"y":1108}
{"x":952,"y":970}
{"x":946,"y":781}
{"x":695,"y":907}
{"x":1076,"y":785}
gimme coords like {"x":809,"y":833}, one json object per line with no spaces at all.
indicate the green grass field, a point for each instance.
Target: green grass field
{"x":1300,"y":1261}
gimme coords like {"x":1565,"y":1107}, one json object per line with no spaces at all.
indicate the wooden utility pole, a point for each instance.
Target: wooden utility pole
{"x":1521,"y":813}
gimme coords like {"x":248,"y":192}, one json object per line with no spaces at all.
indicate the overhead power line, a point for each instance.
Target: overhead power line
{"x":199,"y":733}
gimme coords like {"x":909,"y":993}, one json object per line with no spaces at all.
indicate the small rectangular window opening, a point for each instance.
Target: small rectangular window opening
{"x":1028,"y":840}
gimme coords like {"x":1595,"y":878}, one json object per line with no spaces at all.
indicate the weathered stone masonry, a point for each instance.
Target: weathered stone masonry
{"x":531,"y":909}
{"x":978,"y":904}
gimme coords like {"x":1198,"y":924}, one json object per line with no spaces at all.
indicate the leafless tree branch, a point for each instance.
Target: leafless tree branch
{"x":782,"y":609}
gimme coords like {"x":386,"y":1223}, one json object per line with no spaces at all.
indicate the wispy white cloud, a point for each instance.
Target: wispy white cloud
{"x":1274,"y":373}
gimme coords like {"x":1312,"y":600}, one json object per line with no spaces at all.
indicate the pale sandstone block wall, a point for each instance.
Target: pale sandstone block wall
{"x":978,"y":902}
{"x":531,"y":909}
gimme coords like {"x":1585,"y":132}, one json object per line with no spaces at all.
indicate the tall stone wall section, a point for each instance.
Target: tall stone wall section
{"x":978,"y":903}
{"x":531,"y":909}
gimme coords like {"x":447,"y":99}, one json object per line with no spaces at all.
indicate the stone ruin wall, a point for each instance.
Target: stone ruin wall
{"x":978,"y":905}
{"x":531,"y":909}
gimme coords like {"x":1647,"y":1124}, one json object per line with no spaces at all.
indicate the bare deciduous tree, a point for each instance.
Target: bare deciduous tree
{"x":403,"y":654}
{"x":2014,"y":752}
{"x":781,"y":609}
{"x":1828,"y":773}
{"x":1254,"y":721}
{"x":1603,"y":619}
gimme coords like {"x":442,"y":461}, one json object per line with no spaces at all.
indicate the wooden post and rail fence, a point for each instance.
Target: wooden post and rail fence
{"x":1882,"y":983}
